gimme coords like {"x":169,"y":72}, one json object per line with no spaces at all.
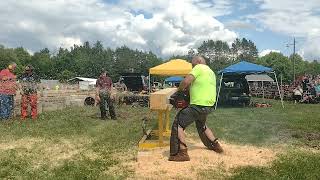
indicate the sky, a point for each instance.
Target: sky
{"x":165,"y":27}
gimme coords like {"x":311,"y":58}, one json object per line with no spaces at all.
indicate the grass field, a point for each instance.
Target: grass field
{"x":75,"y":144}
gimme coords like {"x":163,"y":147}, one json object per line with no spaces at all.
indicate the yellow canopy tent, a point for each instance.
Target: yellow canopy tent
{"x":175,"y":67}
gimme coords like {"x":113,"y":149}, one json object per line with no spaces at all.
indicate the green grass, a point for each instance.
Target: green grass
{"x":265,"y":126}
{"x":75,"y":130}
{"x":75,"y":144}
{"x":298,"y":126}
{"x":294,"y":165}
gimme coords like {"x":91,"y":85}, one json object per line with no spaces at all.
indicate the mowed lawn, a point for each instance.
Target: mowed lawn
{"x":75,"y":144}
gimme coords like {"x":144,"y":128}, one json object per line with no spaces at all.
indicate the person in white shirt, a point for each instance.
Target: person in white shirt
{"x":297,"y":94}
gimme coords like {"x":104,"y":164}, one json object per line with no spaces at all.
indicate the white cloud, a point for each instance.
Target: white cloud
{"x":292,"y":18}
{"x":240,"y":24}
{"x":311,"y":48}
{"x":172,"y":28}
{"x":267,"y":51}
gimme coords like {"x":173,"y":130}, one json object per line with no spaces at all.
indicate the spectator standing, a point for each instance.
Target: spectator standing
{"x":29,"y":85}
{"x":103,"y":95}
{"x":7,"y":91}
{"x":122,"y":91}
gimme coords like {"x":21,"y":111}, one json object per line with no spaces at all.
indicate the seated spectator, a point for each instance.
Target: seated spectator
{"x":297,"y":94}
{"x":317,"y":89}
{"x":305,"y":83}
{"x":313,"y":94}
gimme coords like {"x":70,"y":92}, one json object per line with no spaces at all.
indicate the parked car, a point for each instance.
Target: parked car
{"x":157,"y":85}
{"x":135,"y":81}
{"x":234,"y":90}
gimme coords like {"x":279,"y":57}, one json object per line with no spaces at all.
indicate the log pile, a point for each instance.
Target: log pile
{"x":51,"y":100}
{"x":271,"y":92}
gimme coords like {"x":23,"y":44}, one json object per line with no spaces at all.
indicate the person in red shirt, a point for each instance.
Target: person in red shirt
{"x":103,"y":95}
{"x":7,"y":91}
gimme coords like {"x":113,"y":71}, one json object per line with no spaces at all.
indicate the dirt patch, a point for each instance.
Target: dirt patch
{"x":127,"y":163}
{"x":311,"y":140}
{"x":26,"y":143}
{"x":306,"y":136}
{"x":312,"y":136}
{"x":155,"y":165}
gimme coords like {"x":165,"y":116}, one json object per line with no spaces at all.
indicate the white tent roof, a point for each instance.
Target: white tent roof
{"x":90,"y":80}
{"x":259,"y":77}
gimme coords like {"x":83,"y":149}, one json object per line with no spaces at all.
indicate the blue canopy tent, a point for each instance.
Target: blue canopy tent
{"x":246,"y":68}
{"x":174,"y":79}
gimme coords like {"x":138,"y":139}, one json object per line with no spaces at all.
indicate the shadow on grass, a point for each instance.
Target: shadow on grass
{"x":295,"y":165}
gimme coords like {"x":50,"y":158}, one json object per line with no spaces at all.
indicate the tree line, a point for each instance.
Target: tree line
{"x":80,"y":60}
{"x":87,"y":60}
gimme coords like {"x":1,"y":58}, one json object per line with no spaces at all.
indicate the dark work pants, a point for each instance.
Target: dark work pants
{"x":184,"y":118}
{"x":105,"y":99}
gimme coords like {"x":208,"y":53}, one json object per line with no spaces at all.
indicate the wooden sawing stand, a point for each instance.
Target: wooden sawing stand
{"x":159,"y":102}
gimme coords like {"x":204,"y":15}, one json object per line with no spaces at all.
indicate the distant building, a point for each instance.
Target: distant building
{"x":83,"y":83}
{"x":49,"y":84}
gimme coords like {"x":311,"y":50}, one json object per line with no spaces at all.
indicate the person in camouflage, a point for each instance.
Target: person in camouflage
{"x":103,"y":95}
{"x":29,"y":85}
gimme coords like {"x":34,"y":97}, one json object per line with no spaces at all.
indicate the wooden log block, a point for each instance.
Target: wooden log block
{"x":160,"y":100}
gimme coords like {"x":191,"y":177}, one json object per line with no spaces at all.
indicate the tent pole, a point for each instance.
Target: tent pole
{"x":275,"y":76}
{"x":149,"y":90}
{"x":218,"y":92}
{"x":149,"y":84}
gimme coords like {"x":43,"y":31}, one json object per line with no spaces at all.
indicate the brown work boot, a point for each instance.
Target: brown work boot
{"x":216,"y":146}
{"x":181,"y":156}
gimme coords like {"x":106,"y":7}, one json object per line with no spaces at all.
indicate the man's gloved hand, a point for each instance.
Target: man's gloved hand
{"x":183,"y":95}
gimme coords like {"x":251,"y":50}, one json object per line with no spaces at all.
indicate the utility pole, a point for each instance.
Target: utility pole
{"x":293,"y":59}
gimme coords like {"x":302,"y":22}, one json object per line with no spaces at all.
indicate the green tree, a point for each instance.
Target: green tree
{"x":299,"y":65}
{"x":65,"y":75}
{"x":244,"y":50}
{"x":217,"y":53}
{"x":7,"y":55}
{"x":279,"y":63}
{"x":43,"y":64}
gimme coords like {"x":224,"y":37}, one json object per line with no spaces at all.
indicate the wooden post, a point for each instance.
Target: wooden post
{"x":160,"y":124}
{"x":159,"y":102}
{"x":167,"y":120}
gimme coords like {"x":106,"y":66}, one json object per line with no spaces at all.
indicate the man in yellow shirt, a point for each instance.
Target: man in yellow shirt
{"x":202,"y":84}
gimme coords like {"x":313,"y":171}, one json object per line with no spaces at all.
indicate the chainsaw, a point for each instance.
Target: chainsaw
{"x":180,"y":99}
